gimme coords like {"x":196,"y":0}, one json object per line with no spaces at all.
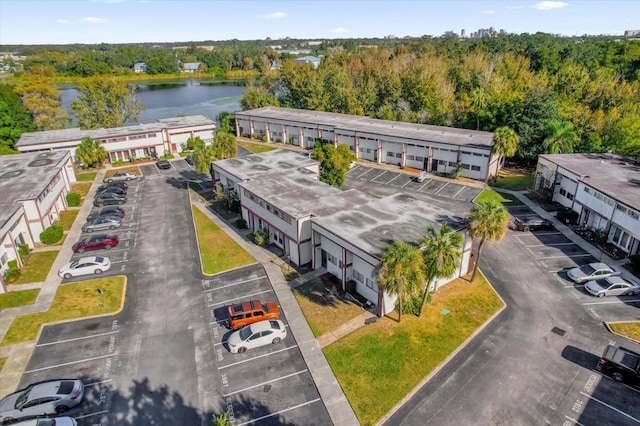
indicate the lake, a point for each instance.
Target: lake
{"x":179,"y":98}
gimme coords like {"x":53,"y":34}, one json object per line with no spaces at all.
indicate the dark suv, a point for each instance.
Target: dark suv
{"x":109,"y":199}
{"x":530,"y":223}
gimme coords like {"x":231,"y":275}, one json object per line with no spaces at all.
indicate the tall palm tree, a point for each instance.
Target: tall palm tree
{"x":441,"y":251}
{"x":561,"y":138}
{"x":488,"y":222}
{"x":478,"y":102}
{"x":400,"y":271}
{"x":505,"y":142}
{"x":91,"y":152}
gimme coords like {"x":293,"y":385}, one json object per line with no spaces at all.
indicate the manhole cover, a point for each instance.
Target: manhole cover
{"x":558,"y":331}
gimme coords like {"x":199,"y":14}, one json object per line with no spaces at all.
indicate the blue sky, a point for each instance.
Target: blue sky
{"x":131,"y":21}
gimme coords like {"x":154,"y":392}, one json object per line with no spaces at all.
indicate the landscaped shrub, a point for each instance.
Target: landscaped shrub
{"x":261,"y":238}
{"x":411,"y":305}
{"x":51,"y":235}
{"x":455,"y":174}
{"x":73,"y":199}
{"x":12,"y":274}
{"x":23,"y":251}
{"x":240,"y":224}
{"x":265,"y":138}
{"x":567,"y":216}
{"x":234,"y":206}
{"x":600,"y":236}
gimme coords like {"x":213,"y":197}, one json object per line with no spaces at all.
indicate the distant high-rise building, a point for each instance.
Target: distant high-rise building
{"x":463,"y":33}
{"x":632,"y":33}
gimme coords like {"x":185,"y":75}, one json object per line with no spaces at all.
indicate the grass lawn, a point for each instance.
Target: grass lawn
{"x":2,"y":361}
{"x":217,"y":250}
{"x":81,"y":188}
{"x":501,"y":197}
{"x":71,"y":301}
{"x":627,"y":329}
{"x":12,"y":299}
{"x":86,"y":177}
{"x":323,"y":318}
{"x":378,"y":364}
{"x":514,"y":180}
{"x":256,"y":148}
{"x":67,"y":218}
{"x":37,"y":267}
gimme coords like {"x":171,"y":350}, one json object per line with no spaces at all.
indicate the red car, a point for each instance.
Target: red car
{"x":96,"y":242}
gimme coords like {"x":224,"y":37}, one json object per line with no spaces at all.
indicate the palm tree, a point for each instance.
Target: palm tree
{"x":488,"y":222}
{"x":91,"y":152}
{"x":203,"y":156}
{"x":478,"y":102}
{"x":505,"y":142}
{"x":441,"y":251}
{"x":400,"y":271}
{"x":561,"y":138}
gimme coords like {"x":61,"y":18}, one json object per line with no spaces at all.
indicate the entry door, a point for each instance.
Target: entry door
{"x":324,"y":259}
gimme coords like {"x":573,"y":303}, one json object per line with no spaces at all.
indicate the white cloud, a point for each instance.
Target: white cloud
{"x":488,"y":12}
{"x":274,"y":15}
{"x":549,"y":5}
{"x":339,"y":30}
{"x":93,"y":20}
{"x":63,"y":21}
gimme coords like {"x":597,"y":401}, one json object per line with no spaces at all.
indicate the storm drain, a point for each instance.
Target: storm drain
{"x":558,"y":331}
{"x":266,"y":388}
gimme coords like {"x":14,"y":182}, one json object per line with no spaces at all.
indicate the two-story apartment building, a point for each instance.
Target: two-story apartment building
{"x":436,"y":149}
{"x":34,"y":188}
{"x":318,"y":225}
{"x":604,"y":189}
{"x":166,"y":136}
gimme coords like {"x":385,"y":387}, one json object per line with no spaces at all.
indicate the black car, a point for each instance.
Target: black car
{"x":106,"y":211}
{"x":189,"y":160}
{"x":118,"y":183}
{"x":163,"y":164}
{"x":109,"y":199}
{"x":114,"y":189}
{"x":530,"y":223}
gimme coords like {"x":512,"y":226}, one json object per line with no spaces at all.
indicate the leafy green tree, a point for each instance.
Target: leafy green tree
{"x":203,"y":156}
{"x":538,"y":109}
{"x":105,"y":102}
{"x":225,"y":145}
{"x":257,"y":98}
{"x":14,"y":119}
{"x":478,"y":103}
{"x":441,"y":251}
{"x":227,"y":122}
{"x":561,"y":138}
{"x":43,"y":100}
{"x":91,"y":153}
{"x":401,"y":272}
{"x":487,"y":222}
{"x":505,"y":142}
{"x":334,"y":162}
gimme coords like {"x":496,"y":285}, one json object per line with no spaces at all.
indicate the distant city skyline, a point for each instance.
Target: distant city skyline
{"x":163,"y":21}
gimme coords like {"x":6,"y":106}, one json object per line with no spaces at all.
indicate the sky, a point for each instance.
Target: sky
{"x":136,"y":21}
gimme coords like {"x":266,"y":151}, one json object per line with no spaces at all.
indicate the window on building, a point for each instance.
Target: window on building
{"x":389,"y":154}
{"x":465,"y":166}
{"x":442,"y":162}
{"x":411,"y":157}
{"x":452,"y":163}
{"x":371,"y":284}
{"x":476,"y":168}
{"x":358,"y":276}
{"x":332,"y":259}
{"x":418,"y":158}
{"x":398,"y":155}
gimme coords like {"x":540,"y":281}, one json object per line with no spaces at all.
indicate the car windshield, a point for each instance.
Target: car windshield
{"x":604,"y":283}
{"x":587,"y":269}
{"x":73,"y":264}
{"x":22,"y":399}
{"x":99,"y":259}
{"x":245,"y":333}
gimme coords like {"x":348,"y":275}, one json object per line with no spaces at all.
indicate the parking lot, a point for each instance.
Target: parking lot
{"x":270,"y":383}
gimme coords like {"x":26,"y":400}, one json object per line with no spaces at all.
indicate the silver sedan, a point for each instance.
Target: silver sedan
{"x":592,"y":271}
{"x":102,"y":223}
{"x":612,"y":286}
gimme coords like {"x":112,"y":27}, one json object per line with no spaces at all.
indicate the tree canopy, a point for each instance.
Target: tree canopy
{"x":334,"y":162}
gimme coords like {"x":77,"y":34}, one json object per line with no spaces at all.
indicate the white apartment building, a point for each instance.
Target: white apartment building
{"x":436,"y":149}
{"x":167,"y":136}
{"x":604,"y":189}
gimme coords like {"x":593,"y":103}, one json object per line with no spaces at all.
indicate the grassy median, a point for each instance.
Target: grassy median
{"x":379,"y":364}
{"x":37,"y":267}
{"x":630,"y":330}
{"x":18,"y":298}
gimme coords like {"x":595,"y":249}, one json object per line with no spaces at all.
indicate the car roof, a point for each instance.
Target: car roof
{"x":264,"y":325}
{"x":599,"y":265}
{"x":53,"y":387}
{"x":89,"y":259}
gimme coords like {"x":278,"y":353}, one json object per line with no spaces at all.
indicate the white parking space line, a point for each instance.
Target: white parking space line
{"x":238,"y":283}
{"x":71,"y":363}
{"x":84,"y":416}
{"x":366,"y":171}
{"x":425,"y":184}
{"x":77,"y":338}
{"x":574,"y":286}
{"x":266,"y":383}
{"x":610,"y":407}
{"x":101,"y":382}
{"x":236,"y":298}
{"x":408,"y":182}
{"x":255,"y":357}
{"x":441,"y":188}
{"x":392,"y":179}
{"x":374,"y":179}
{"x":573,"y":420}
{"x":528,"y":234}
{"x":456,"y":194}
{"x":279,"y":412}
{"x":613,"y":302}
{"x":550,"y":245}
{"x":562,"y":257}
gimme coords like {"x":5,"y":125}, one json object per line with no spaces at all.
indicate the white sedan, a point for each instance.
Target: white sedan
{"x":592,"y":271}
{"x":612,"y":286}
{"x":258,"y":334}
{"x":85,"y":266}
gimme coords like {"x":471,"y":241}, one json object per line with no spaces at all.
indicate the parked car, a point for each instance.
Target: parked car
{"x":57,"y":421}
{"x":106,"y":211}
{"x":257,"y":334}
{"x":120,"y":176}
{"x":42,"y":398}
{"x":622,"y":364}
{"x":118,"y":183}
{"x":530,"y":223}
{"x":85,"y":266}
{"x":163,"y":164}
{"x":111,"y":188}
{"x":612,"y":286}
{"x":591,"y":271}
{"x":103,"y":222}
{"x":109,"y":199}
{"x":189,"y":160}
{"x":245,"y":313}
{"x":96,"y":242}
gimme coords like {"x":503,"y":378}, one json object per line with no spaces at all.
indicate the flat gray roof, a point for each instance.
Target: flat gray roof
{"x":25,"y":176}
{"x":374,"y":225}
{"x":251,"y":166}
{"x":614,"y":175}
{"x":75,"y":133}
{"x":363,"y":124}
